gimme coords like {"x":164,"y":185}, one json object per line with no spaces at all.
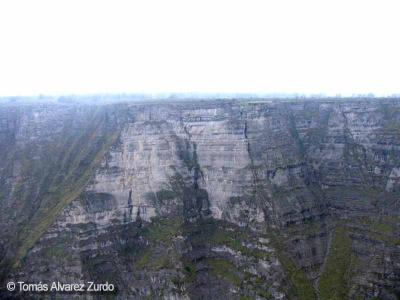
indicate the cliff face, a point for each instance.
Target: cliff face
{"x":212,"y":199}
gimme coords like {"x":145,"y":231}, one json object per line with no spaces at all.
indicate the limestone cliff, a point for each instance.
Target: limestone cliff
{"x":204,"y":199}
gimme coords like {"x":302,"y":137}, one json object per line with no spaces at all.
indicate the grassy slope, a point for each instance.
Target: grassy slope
{"x":70,"y":166}
{"x":335,"y":279}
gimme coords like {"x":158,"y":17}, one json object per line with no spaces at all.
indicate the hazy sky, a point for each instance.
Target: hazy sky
{"x":83,"y":46}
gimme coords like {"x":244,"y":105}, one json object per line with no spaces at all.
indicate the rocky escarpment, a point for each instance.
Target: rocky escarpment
{"x":205,"y":199}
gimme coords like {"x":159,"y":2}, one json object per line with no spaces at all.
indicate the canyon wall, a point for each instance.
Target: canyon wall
{"x":204,"y":199}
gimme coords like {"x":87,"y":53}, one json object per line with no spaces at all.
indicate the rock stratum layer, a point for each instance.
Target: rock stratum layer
{"x":203,"y":199}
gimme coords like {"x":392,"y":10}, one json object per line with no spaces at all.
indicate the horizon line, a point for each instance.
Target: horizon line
{"x":171,"y":95}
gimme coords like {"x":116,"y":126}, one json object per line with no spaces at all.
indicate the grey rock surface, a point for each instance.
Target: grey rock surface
{"x":204,"y":199}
